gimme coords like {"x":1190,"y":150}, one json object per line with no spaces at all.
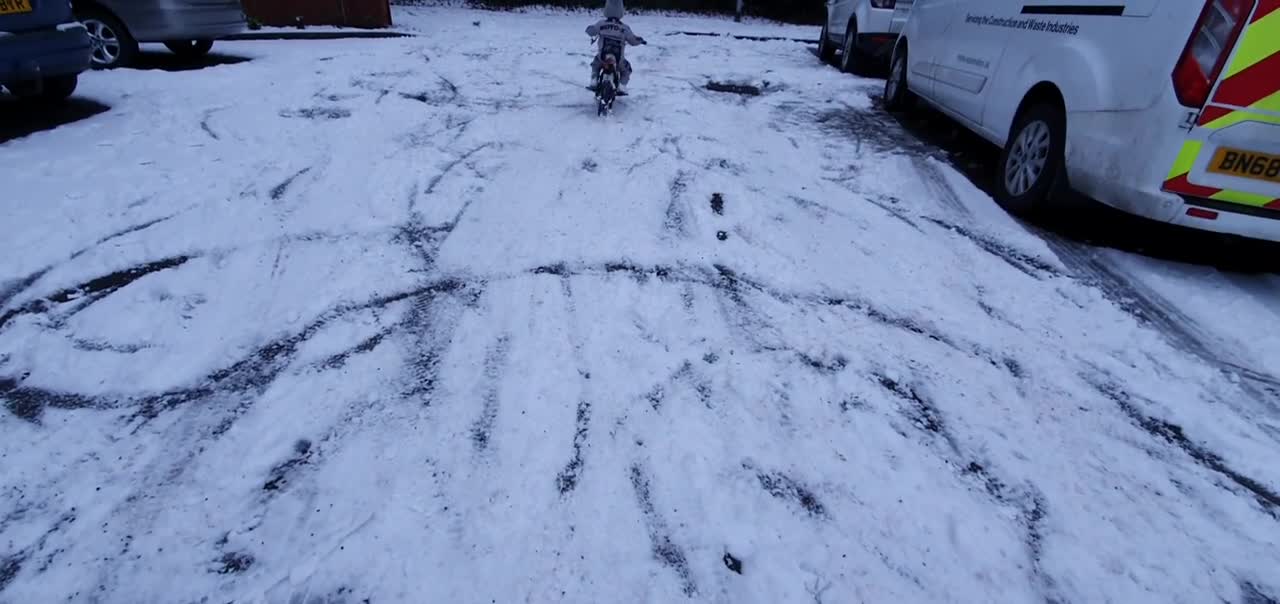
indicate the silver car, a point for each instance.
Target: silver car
{"x":187,"y":27}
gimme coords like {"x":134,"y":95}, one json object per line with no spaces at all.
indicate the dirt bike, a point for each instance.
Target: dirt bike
{"x":608,"y":82}
{"x":606,"y":85}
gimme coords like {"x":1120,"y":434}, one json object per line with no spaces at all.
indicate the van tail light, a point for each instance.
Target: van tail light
{"x":1207,"y":50}
{"x":883,"y":3}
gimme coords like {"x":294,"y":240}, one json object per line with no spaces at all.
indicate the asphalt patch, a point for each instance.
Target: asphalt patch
{"x":167,"y":61}
{"x":19,"y":119}
{"x":318,"y":35}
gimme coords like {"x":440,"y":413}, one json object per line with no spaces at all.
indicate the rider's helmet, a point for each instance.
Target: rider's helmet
{"x":614,"y":10}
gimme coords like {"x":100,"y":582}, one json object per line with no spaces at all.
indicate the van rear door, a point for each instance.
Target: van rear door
{"x":1232,"y":154}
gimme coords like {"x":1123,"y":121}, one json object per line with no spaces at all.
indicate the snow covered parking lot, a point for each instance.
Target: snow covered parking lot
{"x":403,"y":321}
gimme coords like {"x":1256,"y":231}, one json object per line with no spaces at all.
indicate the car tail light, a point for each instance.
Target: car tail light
{"x":1207,"y":50}
{"x":1202,"y":213}
{"x":883,"y":3}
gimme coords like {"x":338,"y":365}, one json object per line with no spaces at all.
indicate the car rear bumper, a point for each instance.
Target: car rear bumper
{"x":1194,"y":212}
{"x":52,"y":52}
{"x":192,"y":20}
{"x":1231,"y":218}
{"x":877,"y":45}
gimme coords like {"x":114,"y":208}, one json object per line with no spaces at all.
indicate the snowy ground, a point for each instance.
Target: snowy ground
{"x":403,"y":321}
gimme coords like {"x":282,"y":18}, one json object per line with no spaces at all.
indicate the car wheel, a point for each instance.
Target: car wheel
{"x":897,"y":97}
{"x":851,"y":57}
{"x":1033,"y":162}
{"x":51,"y":89}
{"x":190,"y":49}
{"x":59,"y":88}
{"x":112,"y":44}
{"x":826,"y":51}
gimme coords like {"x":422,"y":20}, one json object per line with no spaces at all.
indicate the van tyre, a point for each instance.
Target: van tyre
{"x":1032,"y":177}
{"x":851,"y":58}
{"x":826,"y":51}
{"x":189,"y":49}
{"x":897,"y":97}
{"x":113,"y":45}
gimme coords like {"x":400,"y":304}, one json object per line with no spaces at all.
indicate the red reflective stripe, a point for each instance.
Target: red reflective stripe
{"x":1266,"y":7}
{"x":1180,"y":184}
{"x":1275,"y":205}
{"x":1213,"y":112}
{"x":1256,"y":82}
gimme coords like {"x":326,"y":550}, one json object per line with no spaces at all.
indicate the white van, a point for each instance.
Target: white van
{"x":862,"y":30}
{"x":1169,"y":109}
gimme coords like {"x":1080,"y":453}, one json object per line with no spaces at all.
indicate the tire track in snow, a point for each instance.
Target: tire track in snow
{"x":495,"y":362}
{"x":1022,"y":261}
{"x":568,"y":478}
{"x":685,"y":375}
{"x":676,"y":217}
{"x":14,"y":563}
{"x":277,"y":192}
{"x":93,"y":290}
{"x":664,"y":550}
{"x":1027,"y":501}
{"x":784,"y":487}
{"x":1152,"y":309}
{"x":936,"y":182}
{"x":1172,"y":434}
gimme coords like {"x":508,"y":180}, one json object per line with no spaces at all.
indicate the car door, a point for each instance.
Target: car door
{"x":838,"y":13}
{"x":901,"y":12}
{"x":928,"y":24}
{"x":975,"y":42}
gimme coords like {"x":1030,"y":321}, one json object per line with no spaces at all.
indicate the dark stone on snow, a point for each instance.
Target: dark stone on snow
{"x":743,"y":89}
{"x":732,"y":563}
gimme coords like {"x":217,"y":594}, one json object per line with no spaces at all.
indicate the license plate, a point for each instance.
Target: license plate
{"x":9,"y":7}
{"x":1241,"y":163}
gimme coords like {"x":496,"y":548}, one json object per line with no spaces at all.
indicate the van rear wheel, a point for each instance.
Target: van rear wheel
{"x":1033,"y":163}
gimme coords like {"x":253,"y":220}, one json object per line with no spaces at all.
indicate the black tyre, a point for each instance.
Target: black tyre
{"x":1032,"y":179}
{"x":897,"y":96}
{"x":48,"y":90}
{"x":113,"y":45}
{"x":59,"y":88}
{"x":851,"y":59}
{"x":826,"y":51}
{"x":189,"y":49}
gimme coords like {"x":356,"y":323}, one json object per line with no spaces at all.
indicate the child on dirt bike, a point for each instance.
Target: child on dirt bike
{"x":614,"y":37}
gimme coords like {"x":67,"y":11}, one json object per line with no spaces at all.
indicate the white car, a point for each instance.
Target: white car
{"x":862,"y":30}
{"x":1168,"y":110}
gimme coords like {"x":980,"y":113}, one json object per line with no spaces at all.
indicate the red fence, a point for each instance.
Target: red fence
{"x":348,"y":13}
